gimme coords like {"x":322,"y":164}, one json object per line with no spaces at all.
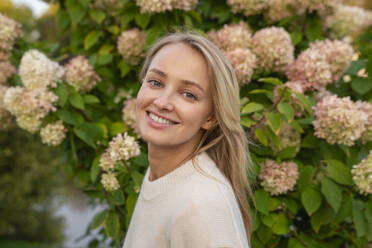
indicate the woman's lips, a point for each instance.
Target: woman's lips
{"x":156,"y":124}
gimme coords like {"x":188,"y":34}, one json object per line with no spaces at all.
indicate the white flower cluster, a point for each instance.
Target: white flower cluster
{"x":289,"y":137}
{"x":131,"y":45}
{"x":5,"y":117}
{"x":278,"y":10}
{"x":248,"y":7}
{"x":80,"y":74}
{"x":6,"y":71}
{"x":129,"y":115}
{"x":109,"y":181}
{"x":362,"y":175}
{"x":121,"y":148}
{"x":53,"y":134}
{"x":37,"y":71}
{"x":158,"y":6}
{"x":9,"y":32}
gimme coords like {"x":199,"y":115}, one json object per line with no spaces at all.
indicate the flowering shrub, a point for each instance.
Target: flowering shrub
{"x":304,"y":68}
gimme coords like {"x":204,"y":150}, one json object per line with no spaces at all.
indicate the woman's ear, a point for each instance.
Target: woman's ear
{"x":209,"y":123}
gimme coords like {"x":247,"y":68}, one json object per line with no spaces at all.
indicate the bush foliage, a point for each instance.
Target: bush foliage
{"x":304,"y":104}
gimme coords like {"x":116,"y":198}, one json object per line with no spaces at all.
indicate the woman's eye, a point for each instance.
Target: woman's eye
{"x":154,"y":83}
{"x":190,"y":95}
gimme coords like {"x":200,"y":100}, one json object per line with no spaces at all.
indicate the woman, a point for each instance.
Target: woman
{"x":194,"y":191}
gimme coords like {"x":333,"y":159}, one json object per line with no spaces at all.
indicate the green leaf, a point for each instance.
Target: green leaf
{"x":98,"y":219}
{"x":142,"y":20}
{"x":62,"y":19}
{"x":118,"y":197}
{"x":261,"y":91}
{"x":113,"y":29}
{"x":287,"y":110}
{"x":292,"y":205}
{"x":288,"y":152}
{"x":246,"y":121}
{"x":274,"y":121}
{"x":85,"y":137}
{"x":306,"y":173}
{"x":76,"y":11}
{"x":131,"y":203}
{"x":310,"y":141}
{"x":124,"y":68}
{"x":137,"y":178}
{"x":267,"y":220}
{"x":70,"y":117}
{"x":126,"y":18}
{"x":77,"y":101}
{"x":314,"y":28}
{"x":296,"y":38}
{"x":305,"y":101}
{"x":323,"y":216}
{"x":95,"y":169}
{"x":332,"y":193}
{"x":358,"y":218}
{"x":91,"y":38}
{"x":105,"y":59}
{"x":262,"y":199}
{"x":271,"y":80}
{"x":97,"y":16}
{"x":252,"y":107}
{"x":61,"y":92}
{"x":261,"y":136}
{"x":339,"y":172}
{"x":294,"y":243}
{"x":361,"y":85}
{"x":345,"y":209}
{"x":112,"y":224}
{"x":356,"y":66}
{"x":281,"y":224}
{"x":90,"y":99}
{"x":311,"y":199}
{"x":117,"y":127}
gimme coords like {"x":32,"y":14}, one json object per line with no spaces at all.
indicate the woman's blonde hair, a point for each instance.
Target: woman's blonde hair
{"x":226,"y":142}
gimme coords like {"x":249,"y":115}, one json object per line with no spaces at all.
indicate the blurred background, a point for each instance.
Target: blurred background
{"x":40,"y":206}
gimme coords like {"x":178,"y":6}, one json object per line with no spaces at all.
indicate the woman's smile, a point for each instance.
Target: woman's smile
{"x":159,"y":122}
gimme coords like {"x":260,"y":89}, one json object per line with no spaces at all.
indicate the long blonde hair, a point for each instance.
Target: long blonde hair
{"x":226,"y":142}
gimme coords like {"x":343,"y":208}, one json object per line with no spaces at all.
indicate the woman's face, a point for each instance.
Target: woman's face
{"x":174,"y":102}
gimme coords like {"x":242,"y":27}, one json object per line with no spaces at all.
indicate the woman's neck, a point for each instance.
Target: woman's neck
{"x":165,"y":159}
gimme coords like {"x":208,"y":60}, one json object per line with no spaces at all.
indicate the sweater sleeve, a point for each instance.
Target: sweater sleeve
{"x":203,"y":225}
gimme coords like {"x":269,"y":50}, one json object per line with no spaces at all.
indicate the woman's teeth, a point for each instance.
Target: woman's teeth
{"x":159,"y":119}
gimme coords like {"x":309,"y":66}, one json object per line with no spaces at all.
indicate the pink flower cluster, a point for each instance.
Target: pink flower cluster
{"x":5,"y":117}
{"x":362,"y":175}
{"x":273,"y":48}
{"x":316,"y":5}
{"x":121,"y":148}
{"x":322,"y":63}
{"x":339,"y":120}
{"x":346,"y":20}
{"x":80,"y":74}
{"x":6,"y":71}
{"x":129,"y":115}
{"x":131,"y":45}
{"x":29,"y":106}
{"x":158,"y":6}
{"x":9,"y":32}
{"x":366,"y":107}
{"x":234,"y":40}
{"x":248,"y":7}
{"x":278,"y":10}
{"x":278,"y":178}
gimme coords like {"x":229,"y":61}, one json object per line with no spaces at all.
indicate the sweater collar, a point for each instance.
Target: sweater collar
{"x":151,"y":189}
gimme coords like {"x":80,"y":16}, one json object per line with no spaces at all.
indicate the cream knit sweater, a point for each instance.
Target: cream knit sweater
{"x":185,"y":208}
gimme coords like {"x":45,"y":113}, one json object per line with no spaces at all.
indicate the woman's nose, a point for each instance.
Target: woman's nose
{"x":164,"y":102}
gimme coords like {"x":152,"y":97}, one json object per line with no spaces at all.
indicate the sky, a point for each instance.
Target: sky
{"x":37,"y":6}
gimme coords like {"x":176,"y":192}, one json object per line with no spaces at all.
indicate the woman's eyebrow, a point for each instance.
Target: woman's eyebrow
{"x":187,"y":82}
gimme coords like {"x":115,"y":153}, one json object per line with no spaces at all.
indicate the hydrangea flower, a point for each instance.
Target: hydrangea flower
{"x":121,"y":148}
{"x":80,"y":74}
{"x":109,"y":181}
{"x":278,"y":10}
{"x":5,"y":116}
{"x":273,"y":48}
{"x":186,"y":5}
{"x":248,"y":7}
{"x":338,"y":120}
{"x":53,"y":134}
{"x":131,"y":45}
{"x":39,"y":72}
{"x":158,"y":6}
{"x":29,"y":106}
{"x":6,"y":71}
{"x":289,"y":137}
{"x":243,"y":62}
{"x":322,"y":63}
{"x":278,"y":178}
{"x":362,"y":175}
{"x":10,"y":30}
{"x":316,"y":5}
{"x":231,"y":36}
{"x":366,"y":107}
{"x":129,"y":113}
{"x":346,"y":20}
